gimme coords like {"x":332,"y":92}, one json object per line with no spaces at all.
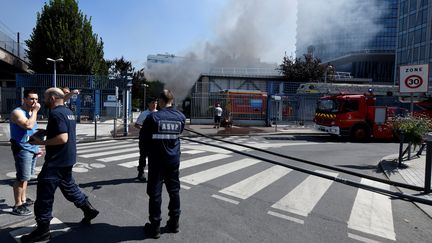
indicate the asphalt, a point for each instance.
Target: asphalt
{"x":411,"y":172}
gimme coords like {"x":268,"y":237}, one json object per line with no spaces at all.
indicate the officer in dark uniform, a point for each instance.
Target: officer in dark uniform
{"x":57,"y":170}
{"x":161,"y":137}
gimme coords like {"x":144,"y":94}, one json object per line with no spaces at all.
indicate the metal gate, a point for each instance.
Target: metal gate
{"x":247,"y":109}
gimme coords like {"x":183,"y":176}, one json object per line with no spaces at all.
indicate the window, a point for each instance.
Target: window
{"x":413,"y":5}
{"x":422,"y":53}
{"x":351,"y":105}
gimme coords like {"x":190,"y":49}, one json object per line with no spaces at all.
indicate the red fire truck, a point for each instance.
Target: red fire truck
{"x":356,"y":116}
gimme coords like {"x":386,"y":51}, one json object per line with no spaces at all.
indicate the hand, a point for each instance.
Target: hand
{"x":33,"y":140}
{"x":37,"y":107}
{"x":76,"y":91}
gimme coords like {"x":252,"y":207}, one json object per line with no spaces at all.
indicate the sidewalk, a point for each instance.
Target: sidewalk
{"x":411,"y":172}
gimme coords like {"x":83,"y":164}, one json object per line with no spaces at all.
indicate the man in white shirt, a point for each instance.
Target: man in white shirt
{"x":138,"y":124}
{"x":217,"y":115}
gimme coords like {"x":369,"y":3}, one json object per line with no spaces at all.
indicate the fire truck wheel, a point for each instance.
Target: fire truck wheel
{"x":360,"y":134}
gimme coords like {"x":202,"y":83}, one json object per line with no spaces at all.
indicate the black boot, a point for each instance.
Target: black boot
{"x":152,"y":230}
{"x":89,"y":213}
{"x":41,"y":233}
{"x":172,"y":225}
{"x":141,"y":177}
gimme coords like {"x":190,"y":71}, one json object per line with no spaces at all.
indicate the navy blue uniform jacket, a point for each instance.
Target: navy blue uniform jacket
{"x":161,"y":135}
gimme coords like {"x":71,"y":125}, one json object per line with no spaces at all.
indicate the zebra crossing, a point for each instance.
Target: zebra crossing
{"x":371,"y":213}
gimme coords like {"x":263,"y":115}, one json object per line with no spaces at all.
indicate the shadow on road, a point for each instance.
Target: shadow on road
{"x":99,"y":184}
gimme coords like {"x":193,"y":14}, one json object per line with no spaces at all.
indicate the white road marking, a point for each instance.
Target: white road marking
{"x":372,"y":212}
{"x":101,"y":142}
{"x":109,"y":152}
{"x":302,"y":199}
{"x":130,"y":164}
{"x":283,"y":216}
{"x":210,"y":174}
{"x":119,"y":157}
{"x":246,"y":188}
{"x":104,"y":145}
{"x":202,"y":160}
{"x":225,"y":199}
{"x":116,"y":146}
{"x":193,"y":152}
{"x":361,"y":238}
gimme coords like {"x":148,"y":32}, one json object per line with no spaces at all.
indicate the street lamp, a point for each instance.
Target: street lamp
{"x":145,"y":86}
{"x":55,"y":74}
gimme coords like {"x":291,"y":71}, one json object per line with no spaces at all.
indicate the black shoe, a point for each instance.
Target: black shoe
{"x":141,"y":177}
{"x":21,"y":210}
{"x":41,"y":233}
{"x":89,"y":213}
{"x":172,"y":225}
{"x":28,"y":202}
{"x":152,"y":230}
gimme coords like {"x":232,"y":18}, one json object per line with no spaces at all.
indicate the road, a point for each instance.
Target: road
{"x":227,"y":197}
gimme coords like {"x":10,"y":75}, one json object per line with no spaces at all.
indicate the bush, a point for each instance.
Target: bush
{"x":413,"y":128}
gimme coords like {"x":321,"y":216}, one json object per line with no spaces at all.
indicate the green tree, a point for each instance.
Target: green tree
{"x":152,"y":89}
{"x":305,"y":69}
{"x":62,"y":30}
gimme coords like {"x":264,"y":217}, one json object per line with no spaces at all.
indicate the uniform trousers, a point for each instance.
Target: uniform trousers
{"x":48,"y":180}
{"x":159,"y":173}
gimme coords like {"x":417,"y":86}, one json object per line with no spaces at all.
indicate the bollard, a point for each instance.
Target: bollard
{"x":428,"y":168}
{"x":95,"y":120}
{"x":401,"y":137}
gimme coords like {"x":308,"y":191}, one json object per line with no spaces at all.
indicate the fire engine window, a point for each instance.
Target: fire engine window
{"x":351,"y":105}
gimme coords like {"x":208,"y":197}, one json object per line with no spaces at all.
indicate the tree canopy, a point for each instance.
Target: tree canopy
{"x":63,"y":31}
{"x":303,"y":69}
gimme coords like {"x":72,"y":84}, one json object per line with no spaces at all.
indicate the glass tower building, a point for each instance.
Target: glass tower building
{"x":353,"y":36}
{"x":414,"y":36}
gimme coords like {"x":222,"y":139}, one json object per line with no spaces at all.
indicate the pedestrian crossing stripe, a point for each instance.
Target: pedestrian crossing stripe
{"x":303,"y":198}
{"x":119,"y":157}
{"x":110,"y":152}
{"x":100,"y":148}
{"x":372,"y":212}
{"x":207,"y":175}
{"x":202,"y":160}
{"x":251,"y":185}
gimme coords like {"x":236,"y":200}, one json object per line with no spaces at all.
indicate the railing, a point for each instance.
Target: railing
{"x":9,"y":44}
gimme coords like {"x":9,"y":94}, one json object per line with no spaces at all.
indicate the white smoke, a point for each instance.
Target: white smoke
{"x":250,"y":33}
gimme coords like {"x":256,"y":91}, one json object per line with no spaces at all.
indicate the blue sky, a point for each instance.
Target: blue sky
{"x":137,"y":28}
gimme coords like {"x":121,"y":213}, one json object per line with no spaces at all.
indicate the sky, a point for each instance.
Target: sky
{"x":265,"y":30}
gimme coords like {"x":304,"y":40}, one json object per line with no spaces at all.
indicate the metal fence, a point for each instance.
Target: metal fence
{"x":9,"y":44}
{"x":253,"y":109}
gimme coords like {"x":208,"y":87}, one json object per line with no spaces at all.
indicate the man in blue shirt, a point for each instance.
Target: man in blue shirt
{"x":56,"y":172}
{"x":23,"y":125}
{"x":161,"y":141}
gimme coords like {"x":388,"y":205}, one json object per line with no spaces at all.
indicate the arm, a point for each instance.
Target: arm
{"x":21,"y":120}
{"x":69,"y":95}
{"x":61,"y":138}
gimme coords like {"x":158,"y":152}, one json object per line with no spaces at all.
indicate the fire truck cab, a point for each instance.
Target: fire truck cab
{"x":355,"y":116}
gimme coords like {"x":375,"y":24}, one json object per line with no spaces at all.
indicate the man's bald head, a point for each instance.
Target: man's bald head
{"x":54,"y":97}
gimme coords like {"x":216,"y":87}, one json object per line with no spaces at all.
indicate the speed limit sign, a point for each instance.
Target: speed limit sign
{"x":414,"y":78}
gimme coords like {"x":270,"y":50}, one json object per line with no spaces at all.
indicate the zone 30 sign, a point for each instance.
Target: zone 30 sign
{"x":414,"y":78}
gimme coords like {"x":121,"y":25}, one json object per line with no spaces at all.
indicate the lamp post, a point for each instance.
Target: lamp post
{"x":55,"y":72}
{"x":145,"y":86}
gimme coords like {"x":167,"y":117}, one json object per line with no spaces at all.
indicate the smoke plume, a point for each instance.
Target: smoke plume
{"x":250,"y":33}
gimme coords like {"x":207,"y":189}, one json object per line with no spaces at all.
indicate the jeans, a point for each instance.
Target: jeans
{"x":25,"y":163}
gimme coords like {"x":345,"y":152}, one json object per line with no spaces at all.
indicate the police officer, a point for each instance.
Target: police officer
{"x":60,"y":157}
{"x":161,"y":137}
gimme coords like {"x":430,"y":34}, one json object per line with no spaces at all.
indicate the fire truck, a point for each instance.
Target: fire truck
{"x":356,"y":116}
